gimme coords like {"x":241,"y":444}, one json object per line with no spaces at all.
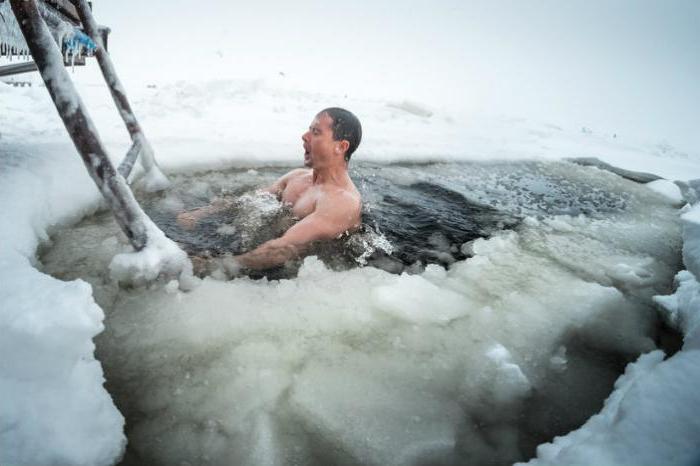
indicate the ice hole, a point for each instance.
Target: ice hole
{"x":493,"y":309}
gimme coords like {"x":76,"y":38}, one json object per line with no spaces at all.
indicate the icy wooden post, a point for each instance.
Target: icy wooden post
{"x":70,"y":107}
{"x":140,"y":143}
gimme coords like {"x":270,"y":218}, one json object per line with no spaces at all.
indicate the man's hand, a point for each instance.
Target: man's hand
{"x":221,"y":268}
{"x":187,"y":220}
{"x":231,"y":266}
{"x":270,"y":254}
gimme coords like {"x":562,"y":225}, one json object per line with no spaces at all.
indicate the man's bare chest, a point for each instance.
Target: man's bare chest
{"x":301,"y":195}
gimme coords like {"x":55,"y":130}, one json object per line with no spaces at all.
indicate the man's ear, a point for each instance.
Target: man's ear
{"x":344,"y":146}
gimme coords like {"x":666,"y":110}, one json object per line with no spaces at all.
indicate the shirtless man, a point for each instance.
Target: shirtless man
{"x":322,"y":195}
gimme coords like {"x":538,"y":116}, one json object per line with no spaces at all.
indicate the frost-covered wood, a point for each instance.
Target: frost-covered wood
{"x":17,"y":68}
{"x":119,"y":96}
{"x":128,"y":162}
{"x":49,"y":60}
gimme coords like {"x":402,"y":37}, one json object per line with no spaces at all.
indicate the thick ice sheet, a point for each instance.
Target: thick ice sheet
{"x":55,"y":409}
{"x":651,"y":417}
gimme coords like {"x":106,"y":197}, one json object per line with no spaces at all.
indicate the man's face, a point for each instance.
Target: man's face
{"x":319,"y":145}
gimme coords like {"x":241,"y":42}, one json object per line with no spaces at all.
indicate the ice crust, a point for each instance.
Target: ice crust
{"x":160,"y":258}
{"x":266,"y":333}
{"x":668,"y":189}
{"x":10,"y":33}
{"x":651,"y":417}
{"x":356,"y":366}
{"x":56,"y":410}
{"x":691,"y":245}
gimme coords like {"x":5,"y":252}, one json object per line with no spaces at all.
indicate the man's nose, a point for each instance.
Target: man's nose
{"x":305,"y":136}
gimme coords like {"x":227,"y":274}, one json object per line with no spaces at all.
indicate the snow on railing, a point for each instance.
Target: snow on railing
{"x":73,"y":42}
{"x":155,"y":254}
{"x":12,"y":41}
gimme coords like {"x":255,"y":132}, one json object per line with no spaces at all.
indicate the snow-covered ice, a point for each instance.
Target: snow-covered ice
{"x":651,"y":417}
{"x":364,"y":372}
{"x":669,"y":190}
{"x":371,"y":362}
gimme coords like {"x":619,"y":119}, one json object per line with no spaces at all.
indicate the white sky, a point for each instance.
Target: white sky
{"x":624,"y":66}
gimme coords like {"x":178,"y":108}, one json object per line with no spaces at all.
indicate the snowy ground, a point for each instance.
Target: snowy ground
{"x":48,"y":325}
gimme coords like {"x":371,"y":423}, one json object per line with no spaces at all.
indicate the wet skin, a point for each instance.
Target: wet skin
{"x":322,"y":197}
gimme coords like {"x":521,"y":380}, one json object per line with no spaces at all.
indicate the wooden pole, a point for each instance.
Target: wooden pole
{"x":72,"y":111}
{"x":115,"y":87}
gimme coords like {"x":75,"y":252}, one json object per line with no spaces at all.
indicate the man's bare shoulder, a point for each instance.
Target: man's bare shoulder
{"x":280,"y":185}
{"x":296,"y":173}
{"x":343,"y":204}
{"x":346,"y":194}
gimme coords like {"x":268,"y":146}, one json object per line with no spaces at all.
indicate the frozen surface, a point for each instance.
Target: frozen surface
{"x":691,"y":245}
{"x":209,"y":124}
{"x":356,"y":365}
{"x":651,"y":417}
{"x":668,"y":189}
{"x":683,"y":306}
{"x":291,"y":348}
{"x":48,"y":371}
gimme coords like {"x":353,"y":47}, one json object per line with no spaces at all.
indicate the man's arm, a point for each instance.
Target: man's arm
{"x":275,"y":188}
{"x":189,"y":219}
{"x":330,"y":219}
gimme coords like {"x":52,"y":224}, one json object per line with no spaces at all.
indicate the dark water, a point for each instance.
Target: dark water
{"x":424,"y":211}
{"x":423,"y":222}
{"x":427,"y":223}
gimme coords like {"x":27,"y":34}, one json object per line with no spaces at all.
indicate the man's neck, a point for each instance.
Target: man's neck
{"x":335,"y":174}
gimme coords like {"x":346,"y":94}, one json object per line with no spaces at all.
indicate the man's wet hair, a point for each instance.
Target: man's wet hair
{"x":345,"y":126}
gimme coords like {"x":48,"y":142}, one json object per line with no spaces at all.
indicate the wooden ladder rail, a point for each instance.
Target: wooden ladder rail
{"x":80,"y":127}
{"x":140,"y":145}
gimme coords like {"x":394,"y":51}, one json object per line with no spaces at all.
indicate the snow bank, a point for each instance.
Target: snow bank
{"x":683,"y":307}
{"x":669,"y":190}
{"x":56,"y":410}
{"x":210,"y":124}
{"x":651,"y":417}
{"x":59,"y":412}
{"x":238,"y":117}
{"x":691,"y":244}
